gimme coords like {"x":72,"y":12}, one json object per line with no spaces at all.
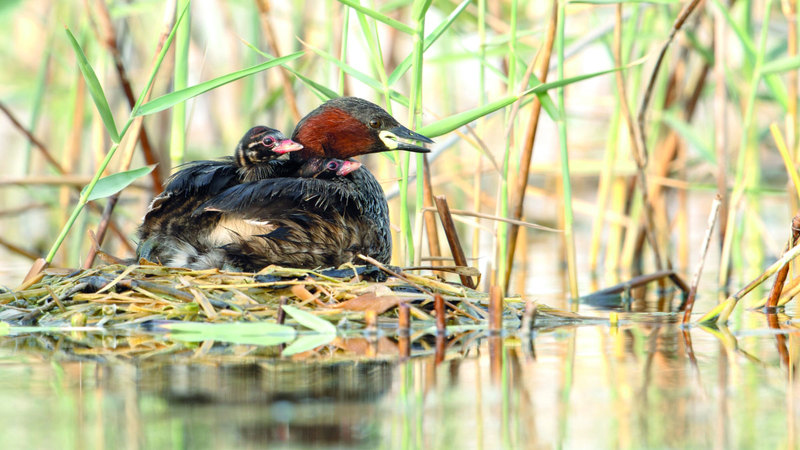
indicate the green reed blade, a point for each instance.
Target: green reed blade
{"x":780,"y":65}
{"x":96,"y":91}
{"x":569,"y":236}
{"x":306,"y":343}
{"x":501,"y":226}
{"x":378,"y":16}
{"x":703,"y":144}
{"x":309,"y":320}
{"x":780,"y":142}
{"x":110,"y":185}
{"x":771,"y":80}
{"x":451,"y":123}
{"x":326,"y":93}
{"x":221,"y":330}
{"x":173,"y":98}
{"x":403,"y":67}
{"x":419,"y":8}
{"x":358,"y":75}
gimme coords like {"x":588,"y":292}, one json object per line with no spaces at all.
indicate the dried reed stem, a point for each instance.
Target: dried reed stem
{"x":404,"y":319}
{"x":495,"y":309}
{"x":13,"y":248}
{"x":438,"y":305}
{"x":441,"y":347}
{"x":281,"y":316}
{"x":36,"y":142}
{"x":452,"y":238}
{"x":712,"y":219}
{"x":542,"y":63}
{"x":434,"y":247}
{"x":519,"y":223}
{"x":777,"y":288}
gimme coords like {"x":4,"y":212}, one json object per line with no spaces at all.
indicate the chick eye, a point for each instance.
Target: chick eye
{"x":268,"y":141}
{"x":332,"y":165}
{"x":375,"y":123}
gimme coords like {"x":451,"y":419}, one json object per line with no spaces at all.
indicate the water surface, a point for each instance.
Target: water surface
{"x":642,"y":384}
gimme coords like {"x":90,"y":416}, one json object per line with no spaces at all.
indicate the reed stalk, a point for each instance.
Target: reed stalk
{"x":180,"y":80}
{"x":569,"y":232}
{"x":747,"y":153}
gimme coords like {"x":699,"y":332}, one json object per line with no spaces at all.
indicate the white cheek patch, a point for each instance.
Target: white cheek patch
{"x":389,"y":139}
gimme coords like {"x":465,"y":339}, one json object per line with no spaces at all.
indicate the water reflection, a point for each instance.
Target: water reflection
{"x":647,"y":383}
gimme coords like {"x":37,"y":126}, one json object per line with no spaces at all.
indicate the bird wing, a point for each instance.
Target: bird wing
{"x":265,"y":198}
{"x":196,"y":179}
{"x":207,"y":176}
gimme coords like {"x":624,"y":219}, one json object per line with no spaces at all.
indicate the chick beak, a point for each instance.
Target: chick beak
{"x":347,"y":167}
{"x":286,"y":146}
{"x":391,"y":139}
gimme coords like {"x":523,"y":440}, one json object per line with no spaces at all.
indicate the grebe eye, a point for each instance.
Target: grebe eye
{"x":268,"y":141}
{"x":332,"y":165}
{"x":375,"y":123}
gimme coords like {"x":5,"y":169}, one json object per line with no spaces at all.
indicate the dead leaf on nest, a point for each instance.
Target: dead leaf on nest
{"x":371,"y":302}
{"x":35,"y":274}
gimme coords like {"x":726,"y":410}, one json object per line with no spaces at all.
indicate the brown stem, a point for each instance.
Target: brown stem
{"x":438,"y":305}
{"x":13,"y":248}
{"x":36,"y":142}
{"x":783,"y":351}
{"x":452,"y":237}
{"x":777,"y":288}
{"x":281,"y":315}
{"x":430,"y":220}
{"x":495,"y":309}
{"x":518,"y":201}
{"x":404,"y":319}
{"x":519,"y":223}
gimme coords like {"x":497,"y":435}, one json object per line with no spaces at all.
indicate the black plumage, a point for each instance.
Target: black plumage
{"x":302,"y":222}
{"x":171,"y":235}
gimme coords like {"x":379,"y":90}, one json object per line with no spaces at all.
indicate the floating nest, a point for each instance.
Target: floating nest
{"x":349,"y":298}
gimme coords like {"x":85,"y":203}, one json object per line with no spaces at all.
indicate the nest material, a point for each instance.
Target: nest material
{"x":126,"y":295}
